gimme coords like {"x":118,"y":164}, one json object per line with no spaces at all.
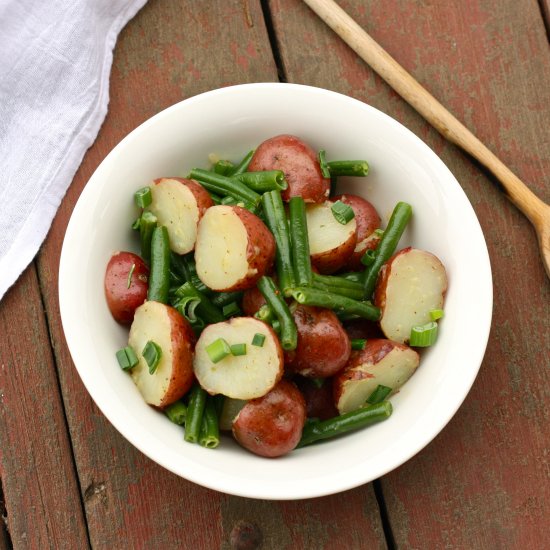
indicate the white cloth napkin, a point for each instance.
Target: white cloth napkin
{"x":55,"y":60}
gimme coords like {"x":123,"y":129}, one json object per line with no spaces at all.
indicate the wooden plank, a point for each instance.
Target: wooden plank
{"x":168,"y":52}
{"x":483,"y":483}
{"x":42,"y":499}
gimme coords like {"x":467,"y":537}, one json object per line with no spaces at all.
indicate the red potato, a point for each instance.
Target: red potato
{"x":331,"y":244}
{"x":368,"y":220}
{"x":234,"y":248}
{"x":382,"y":362}
{"x":272,"y":425}
{"x":252,"y":301}
{"x":125,"y":292}
{"x":323,"y":345}
{"x":173,"y":376}
{"x":319,"y":400}
{"x":179,"y":204}
{"x":300,"y":164}
{"x":410,"y":284}
{"x":243,"y":376}
{"x":361,"y":328}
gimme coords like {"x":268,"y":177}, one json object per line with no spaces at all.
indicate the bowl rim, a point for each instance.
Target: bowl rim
{"x":232,"y":485}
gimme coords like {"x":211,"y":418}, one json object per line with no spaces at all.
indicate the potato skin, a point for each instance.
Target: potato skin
{"x":183,"y":343}
{"x":252,"y":301}
{"x":319,"y":400}
{"x":299,"y":163}
{"x":123,"y":301}
{"x":323,"y":346}
{"x":333,"y":260}
{"x":368,"y":220}
{"x":260,"y":250}
{"x":271,"y":425}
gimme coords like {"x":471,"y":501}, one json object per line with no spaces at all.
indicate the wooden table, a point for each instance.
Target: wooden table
{"x":69,"y":480}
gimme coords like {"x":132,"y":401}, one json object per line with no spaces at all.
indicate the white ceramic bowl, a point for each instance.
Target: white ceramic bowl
{"x":229,"y":122}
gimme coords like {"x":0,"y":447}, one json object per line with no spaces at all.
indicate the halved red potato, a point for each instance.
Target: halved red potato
{"x":300,"y":164}
{"x":331,"y":243}
{"x":410,"y":284}
{"x":368,"y":220}
{"x":166,"y":327}
{"x":319,"y":399}
{"x":234,"y":248}
{"x":126,"y":285}
{"x":242,"y":376}
{"x":179,"y":204}
{"x":272,"y":425}
{"x":382,"y":362}
{"x":323,"y":346}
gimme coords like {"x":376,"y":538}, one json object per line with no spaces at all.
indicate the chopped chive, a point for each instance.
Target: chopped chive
{"x":423,"y":336}
{"x":126,"y":358}
{"x":436,"y":314}
{"x":343,"y":213}
{"x":238,"y":349}
{"x":129,"y":280}
{"x":231,"y":309}
{"x":223,"y":167}
{"x":152,"y":354}
{"x":379,"y":394}
{"x":276,"y":326}
{"x":258,"y":339}
{"x":143,"y":197}
{"x":323,"y":164}
{"x":217,"y":350}
{"x":378,"y":232}
{"x":137,"y":223}
{"x":176,"y":412}
{"x":368,"y":257}
{"x":358,"y":344}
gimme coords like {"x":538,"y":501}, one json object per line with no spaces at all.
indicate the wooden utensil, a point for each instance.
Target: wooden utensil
{"x":450,"y":127}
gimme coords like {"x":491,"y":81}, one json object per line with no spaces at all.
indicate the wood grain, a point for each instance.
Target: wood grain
{"x":483,"y":483}
{"x":167,"y":53}
{"x":38,"y":478}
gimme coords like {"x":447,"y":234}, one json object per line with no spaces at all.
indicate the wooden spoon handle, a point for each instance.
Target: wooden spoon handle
{"x":410,"y":90}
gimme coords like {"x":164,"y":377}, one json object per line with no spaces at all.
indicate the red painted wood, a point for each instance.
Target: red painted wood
{"x":167,"y":53}
{"x":41,"y":494}
{"x":483,"y":483}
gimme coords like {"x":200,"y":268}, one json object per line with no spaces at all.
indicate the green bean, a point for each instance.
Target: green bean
{"x":223,"y":185}
{"x":355,"y":294}
{"x":268,"y":180}
{"x":335,"y":282}
{"x":348,"y":167}
{"x":275,"y":300}
{"x":277,"y":222}
{"x":360,"y":418}
{"x":176,"y":412}
{"x":223,"y":167}
{"x":159,"y":275}
{"x":243,"y":165}
{"x":342,"y":304}
{"x":221,"y":299}
{"x":209,"y":435}
{"x":355,"y":276}
{"x":388,"y":243}
{"x":147,"y":223}
{"x":195,"y":412}
{"x":265,"y":314}
{"x":300,"y":242}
